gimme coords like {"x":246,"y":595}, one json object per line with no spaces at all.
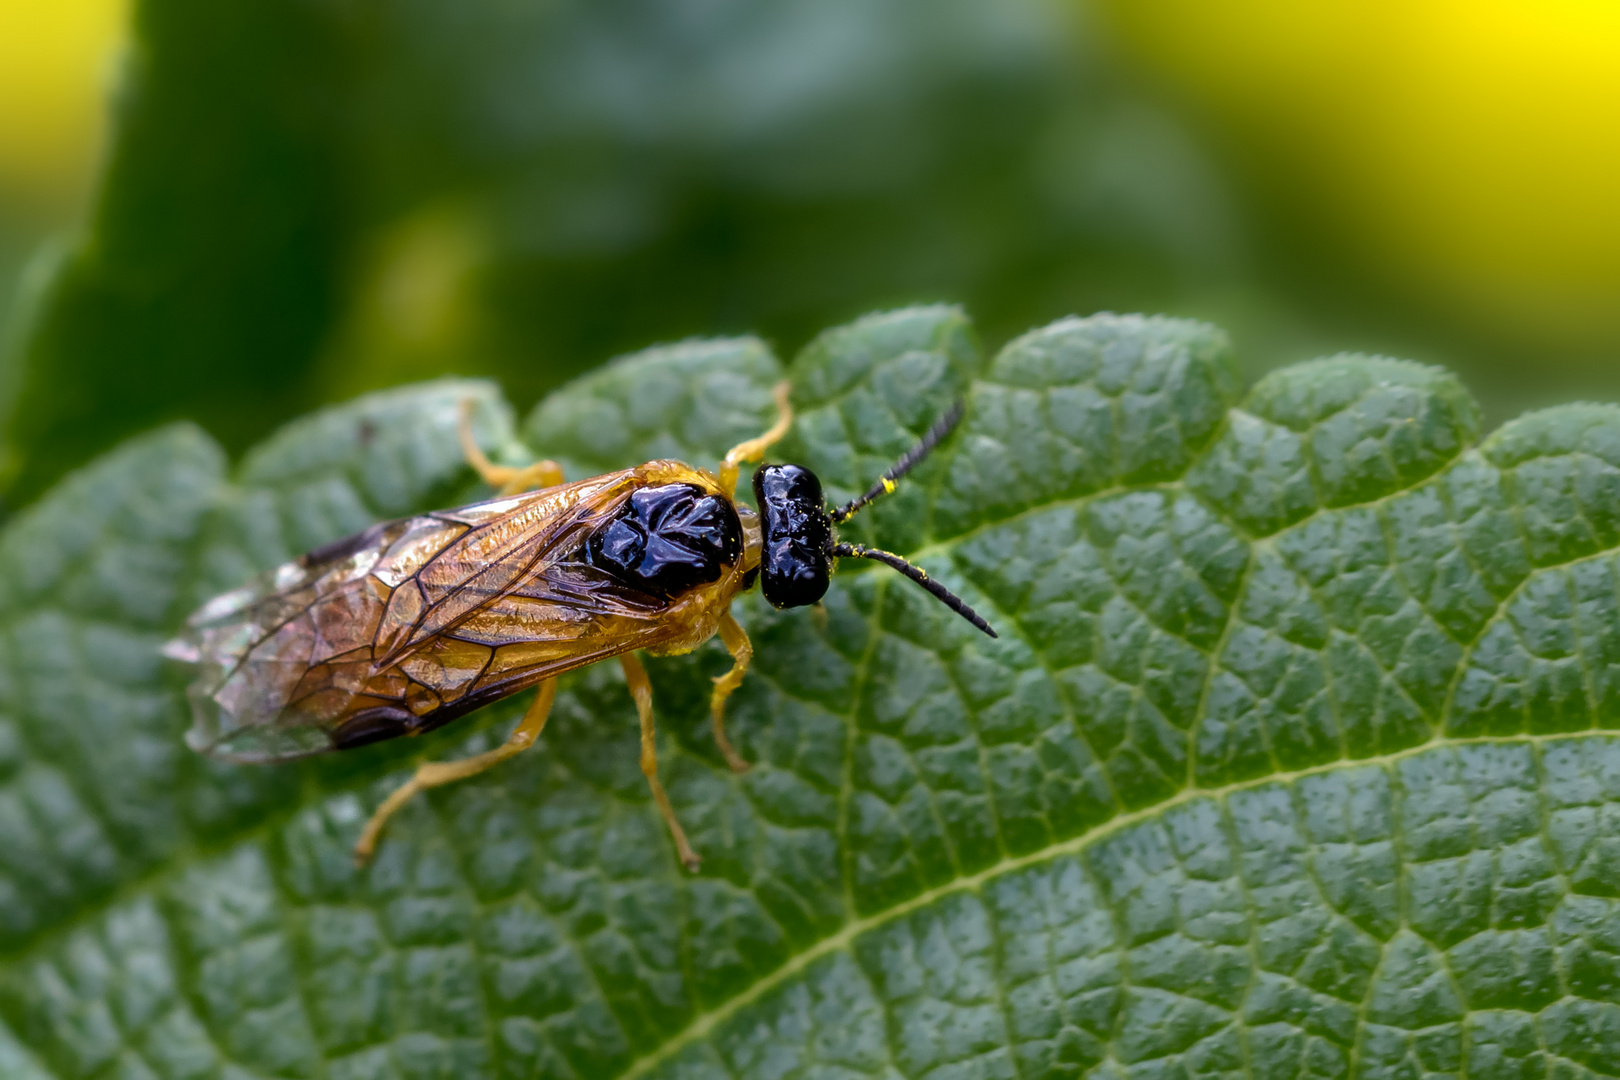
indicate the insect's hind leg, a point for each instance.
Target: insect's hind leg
{"x":506,"y":479}
{"x":641,"y":689}
{"x":742,"y":651}
{"x":752,"y":449}
{"x":434,"y":774}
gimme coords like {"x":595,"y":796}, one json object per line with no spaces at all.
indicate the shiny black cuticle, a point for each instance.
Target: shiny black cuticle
{"x":665,"y":540}
{"x":796,"y":560}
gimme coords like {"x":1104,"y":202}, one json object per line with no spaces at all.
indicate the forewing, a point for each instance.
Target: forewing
{"x":565,"y":615}
{"x":362,"y":624}
{"x":504,"y":543}
{"x":253,"y":646}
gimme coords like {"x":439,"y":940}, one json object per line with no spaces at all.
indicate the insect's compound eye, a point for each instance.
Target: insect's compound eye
{"x":666,"y":539}
{"x":796,"y":533}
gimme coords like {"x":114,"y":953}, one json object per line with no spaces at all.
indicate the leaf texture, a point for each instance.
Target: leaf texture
{"x":1293,"y":759}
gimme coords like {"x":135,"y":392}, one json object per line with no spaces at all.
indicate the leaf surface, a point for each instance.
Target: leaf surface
{"x":1293,"y":757}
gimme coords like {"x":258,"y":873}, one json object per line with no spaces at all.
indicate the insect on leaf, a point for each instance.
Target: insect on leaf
{"x":1295,"y":754}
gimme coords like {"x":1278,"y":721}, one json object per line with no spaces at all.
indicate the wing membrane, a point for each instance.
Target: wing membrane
{"x":412,"y":624}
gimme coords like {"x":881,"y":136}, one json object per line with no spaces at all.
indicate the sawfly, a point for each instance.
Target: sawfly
{"x":413,"y":623}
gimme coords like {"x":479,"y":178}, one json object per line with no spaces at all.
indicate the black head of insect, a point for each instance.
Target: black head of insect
{"x":797,"y":530}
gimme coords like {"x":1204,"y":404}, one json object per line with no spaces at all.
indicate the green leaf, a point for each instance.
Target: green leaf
{"x":1294,"y":757}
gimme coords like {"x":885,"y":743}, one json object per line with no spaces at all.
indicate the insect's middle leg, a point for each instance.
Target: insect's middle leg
{"x":742,"y":651}
{"x":506,"y":479}
{"x":434,"y":774}
{"x":641,"y":689}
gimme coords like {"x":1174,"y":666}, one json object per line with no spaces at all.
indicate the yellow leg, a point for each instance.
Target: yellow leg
{"x":641,"y":690}
{"x":755,"y":448}
{"x":433,"y":774}
{"x":506,"y":479}
{"x":742,"y":651}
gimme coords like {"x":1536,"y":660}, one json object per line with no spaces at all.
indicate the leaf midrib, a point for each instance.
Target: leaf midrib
{"x":192,"y":850}
{"x":311,"y":793}
{"x":705,"y":1023}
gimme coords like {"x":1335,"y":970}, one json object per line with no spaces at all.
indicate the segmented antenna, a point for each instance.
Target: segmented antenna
{"x":908,"y":461}
{"x":917,"y":574}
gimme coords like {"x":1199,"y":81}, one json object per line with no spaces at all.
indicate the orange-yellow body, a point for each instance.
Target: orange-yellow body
{"x":418,"y":621}
{"x":414,"y":623}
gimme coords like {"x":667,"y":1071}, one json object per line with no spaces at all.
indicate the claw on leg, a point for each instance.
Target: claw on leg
{"x":505,"y":479}
{"x":641,"y":689}
{"x":434,"y":774}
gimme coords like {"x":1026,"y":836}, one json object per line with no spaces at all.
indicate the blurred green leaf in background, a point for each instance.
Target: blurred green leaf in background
{"x":303,"y":201}
{"x":299,"y":201}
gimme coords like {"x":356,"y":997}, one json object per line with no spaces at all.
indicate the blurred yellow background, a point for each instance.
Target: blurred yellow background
{"x":307,"y":201}
{"x":1470,"y":148}
{"x":56,"y":61}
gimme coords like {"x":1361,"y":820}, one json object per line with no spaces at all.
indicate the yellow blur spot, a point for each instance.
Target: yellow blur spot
{"x":56,"y":60}
{"x":412,"y":315}
{"x":415,"y":289}
{"x":1471,"y":147}
{"x":889,"y":485}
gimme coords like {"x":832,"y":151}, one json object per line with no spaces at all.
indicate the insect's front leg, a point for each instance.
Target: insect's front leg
{"x":641,"y":689}
{"x":753,"y":449}
{"x":742,"y":651}
{"x":506,"y":479}
{"x":434,"y":774}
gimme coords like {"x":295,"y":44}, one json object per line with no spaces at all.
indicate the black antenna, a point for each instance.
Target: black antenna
{"x":908,"y":461}
{"x":917,"y":574}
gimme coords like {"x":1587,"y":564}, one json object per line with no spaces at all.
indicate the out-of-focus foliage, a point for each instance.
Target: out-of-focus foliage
{"x":309,"y":200}
{"x":1461,"y":159}
{"x":56,"y":62}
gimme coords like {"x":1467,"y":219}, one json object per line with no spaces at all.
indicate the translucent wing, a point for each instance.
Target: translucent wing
{"x":411,"y":624}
